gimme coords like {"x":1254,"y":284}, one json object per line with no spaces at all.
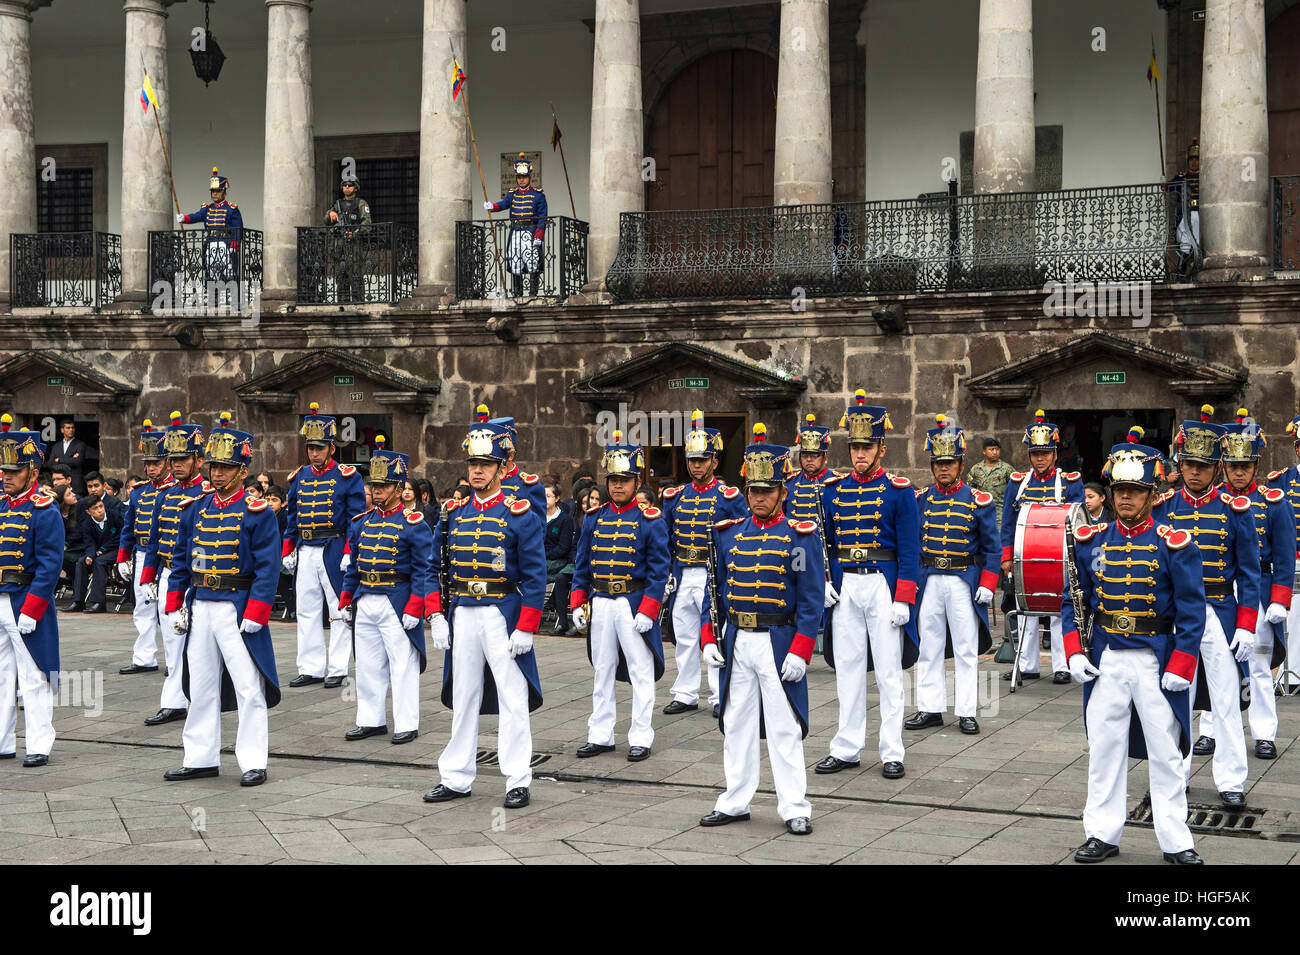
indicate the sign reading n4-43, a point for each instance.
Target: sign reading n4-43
{"x":1110,"y":377}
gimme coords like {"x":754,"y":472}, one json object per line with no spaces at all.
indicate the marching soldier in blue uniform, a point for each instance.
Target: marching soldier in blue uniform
{"x":30,"y":560}
{"x":515,"y":482}
{"x":323,"y":498}
{"x":803,"y":488}
{"x":183,"y":445}
{"x":1043,"y":482}
{"x":770,"y":587}
{"x":622,"y":568}
{"x":1223,"y":528}
{"x":690,"y":510}
{"x":527,"y":208}
{"x":959,"y":572}
{"x":1243,"y":443}
{"x":1287,"y":480}
{"x":873,"y":541}
{"x":489,"y":553}
{"x":137,"y":533}
{"x":387,"y":583}
{"x":223,"y":225}
{"x":221,"y":590}
{"x":1132,"y":642}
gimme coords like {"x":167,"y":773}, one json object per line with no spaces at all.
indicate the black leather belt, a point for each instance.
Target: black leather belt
{"x":1140,"y":626}
{"x":483,"y":588}
{"x":319,"y":534}
{"x":617,"y":588}
{"x":379,"y":578}
{"x":16,"y":577}
{"x":1218,"y":591}
{"x":223,"y":581}
{"x":948,"y":563}
{"x":692,"y":553}
{"x":760,"y":621}
{"x":858,"y":555}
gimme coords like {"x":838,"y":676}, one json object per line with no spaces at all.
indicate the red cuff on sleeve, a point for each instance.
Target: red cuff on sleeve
{"x":123,"y":555}
{"x":1280,"y":595}
{"x":147,"y":575}
{"x":802,"y":646}
{"x":433,"y":603}
{"x":530,"y":618}
{"x":347,"y":547}
{"x":414,"y":606}
{"x":1183,"y":665}
{"x":1006,"y":553}
{"x":706,"y":634}
{"x":649,"y":607}
{"x":287,"y":549}
{"x":989,"y":579}
{"x":1247,"y":618}
{"x":905,"y":591}
{"x":34,"y":606}
{"x":257,"y":611}
{"x":538,"y":234}
{"x":173,"y":601}
{"x":345,"y":599}
{"x":577,"y":598}
{"x":1071,"y":643}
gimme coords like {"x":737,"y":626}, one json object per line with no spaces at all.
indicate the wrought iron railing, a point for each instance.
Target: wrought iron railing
{"x":498,"y":259}
{"x":1285,"y":223}
{"x":62,"y":269}
{"x":353,"y":265}
{"x":942,"y":242}
{"x":204,"y":270}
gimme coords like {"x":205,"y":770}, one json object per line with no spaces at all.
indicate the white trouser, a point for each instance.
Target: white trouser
{"x":1132,"y":677}
{"x":1225,"y":707}
{"x":947,"y":605}
{"x":1029,"y":651}
{"x":147,"y":617}
{"x":864,"y":612}
{"x":19,"y":673}
{"x":611,"y":628}
{"x":755,"y":687}
{"x":385,"y":652}
{"x":521,"y":257}
{"x":1263,"y":705}
{"x":480,"y":635}
{"x":1292,"y":664}
{"x":216,"y":644}
{"x":173,"y":689}
{"x":317,"y":602}
{"x":687,"y":605}
{"x":1189,"y":231}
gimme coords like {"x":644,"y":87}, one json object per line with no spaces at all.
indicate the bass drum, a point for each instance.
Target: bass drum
{"x":1038,"y":557}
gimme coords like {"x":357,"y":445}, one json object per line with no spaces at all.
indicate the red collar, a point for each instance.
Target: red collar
{"x":818,"y":478}
{"x":237,"y":496}
{"x":772,"y":521}
{"x":492,"y":501}
{"x":329,"y":466}
{"x":870,"y":477}
{"x":165,"y":484}
{"x":26,"y":495}
{"x":1046,"y":477}
{"x":952,"y":490}
{"x":705,"y":487}
{"x":1198,"y":501}
{"x":629,"y":506}
{"x":396,"y":507}
{"x":514,"y":469}
{"x":197,"y":479}
{"x":1254,"y":486}
{"x":1141,"y":528}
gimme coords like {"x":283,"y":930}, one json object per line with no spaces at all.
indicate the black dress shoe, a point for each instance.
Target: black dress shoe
{"x":923,"y":720}
{"x":333,"y":682}
{"x":798,"y":826}
{"x":517,"y":798}
{"x":1061,"y":676}
{"x":165,"y":715}
{"x":96,"y":608}
{"x":8,"y":755}
{"x":893,"y":770}
{"x":1023,"y":676}
{"x":833,"y":764}
{"x":77,"y":608}
{"x":254,"y":777}
{"x":1186,"y":857}
{"x":717,"y":710}
{"x":136,"y":668}
{"x":191,"y":772}
{"x":968,"y":725}
{"x":637,"y":753}
{"x":1264,"y":749}
{"x":716,"y":818}
{"x":365,"y":732}
{"x":303,"y":679}
{"x":400,"y":738}
{"x":1094,"y":850}
{"x":441,"y":793}
{"x":587,"y":750}
{"x":677,"y":706}
{"x":1233,"y":800}
{"x":1204,"y":746}
{"x":35,"y":759}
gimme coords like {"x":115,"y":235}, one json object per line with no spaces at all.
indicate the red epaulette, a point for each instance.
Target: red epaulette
{"x":729,"y":522}
{"x":1174,"y":540}
{"x":650,"y":512}
{"x":347,"y":470}
{"x":518,"y":505}
{"x":1273,"y":494}
{"x":186,"y":501}
{"x":527,"y":478}
{"x":258,"y":505}
{"x":41,"y":499}
{"x":454,"y":503}
{"x":803,"y":527}
{"x":672,"y":492}
{"x":1086,"y":532}
{"x":981,"y":498}
{"x":414,"y":517}
{"x":593,"y":509}
{"x":1161,"y":498}
{"x":1018,"y":476}
{"x":206,"y":488}
{"x":920,"y":492}
{"x":1274,"y":475}
{"x":1236,"y":502}
{"x":294,"y":473}
{"x":899,"y":481}
{"x":363,"y":513}
{"x":1070,"y":475}
{"x":832,"y":479}
{"x":730,"y":491}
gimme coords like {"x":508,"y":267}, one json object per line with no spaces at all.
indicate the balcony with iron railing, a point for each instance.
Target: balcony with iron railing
{"x":65,"y":269}
{"x":497,"y":259}
{"x":205,"y":271}
{"x":356,"y":265}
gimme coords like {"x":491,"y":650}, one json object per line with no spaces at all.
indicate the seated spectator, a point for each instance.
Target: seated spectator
{"x":462,"y":491}
{"x":275,"y":499}
{"x":60,"y":476}
{"x":1096,"y":500}
{"x":646,"y":494}
{"x":98,"y":531}
{"x":73,"y":549}
{"x":264,"y":481}
{"x":559,"y":559}
{"x":253,"y":488}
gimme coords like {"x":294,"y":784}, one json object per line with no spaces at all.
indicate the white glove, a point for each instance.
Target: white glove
{"x":832,"y":596}
{"x":179,"y":217}
{"x":642,"y":623}
{"x":537,"y":243}
{"x":581,"y":614}
{"x":441,"y":632}
{"x":124,"y":570}
{"x":1275,"y":613}
{"x":900,"y":613}
{"x":794,"y":668}
{"x":409,"y":622}
{"x":26,"y":624}
{"x":713,"y":656}
{"x":150,"y":593}
{"x":182,"y":622}
{"x":520,"y":643}
{"x":343,"y":564}
{"x":984,"y":596}
{"x":290,"y":561}
{"x":249,"y":626}
{"x":1174,"y":683}
{"x":1082,"y":669}
{"x":489,"y":206}
{"x":1243,"y":641}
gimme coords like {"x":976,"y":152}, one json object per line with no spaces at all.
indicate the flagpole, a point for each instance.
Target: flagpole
{"x":161,"y":142}
{"x":496,"y":249}
{"x":560,"y":142}
{"x":1160,"y":135}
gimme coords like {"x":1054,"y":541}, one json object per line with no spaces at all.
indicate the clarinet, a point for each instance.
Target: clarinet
{"x":715,"y":617}
{"x":444,"y":566}
{"x":821,"y":529}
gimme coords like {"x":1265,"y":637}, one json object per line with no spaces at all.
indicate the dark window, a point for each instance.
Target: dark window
{"x":67,"y":202}
{"x":391,"y":186}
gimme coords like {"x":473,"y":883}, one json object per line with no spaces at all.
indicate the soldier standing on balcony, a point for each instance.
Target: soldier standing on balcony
{"x":224,"y":224}
{"x":527,"y":228}
{"x":1188,"y":215}
{"x":346,"y":215}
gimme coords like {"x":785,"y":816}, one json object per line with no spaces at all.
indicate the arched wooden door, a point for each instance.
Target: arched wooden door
{"x":713,"y":134}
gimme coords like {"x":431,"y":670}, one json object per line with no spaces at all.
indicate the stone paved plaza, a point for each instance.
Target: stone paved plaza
{"x":1011,"y":795}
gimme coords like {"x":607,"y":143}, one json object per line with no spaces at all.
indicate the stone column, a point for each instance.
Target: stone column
{"x":17,"y":131}
{"x":1004,"y":97}
{"x":289,"y":161}
{"x":803,"y":104}
{"x":617,"y":131}
{"x":445,"y":160}
{"x":1234,"y":142}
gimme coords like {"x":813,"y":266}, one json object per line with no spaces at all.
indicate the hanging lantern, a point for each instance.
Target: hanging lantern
{"x":208,"y":58}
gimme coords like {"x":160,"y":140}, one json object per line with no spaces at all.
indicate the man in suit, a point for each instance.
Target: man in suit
{"x":99,"y":531}
{"x":70,"y":451}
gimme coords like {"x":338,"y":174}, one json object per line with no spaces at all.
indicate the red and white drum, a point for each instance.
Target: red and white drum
{"x":1039,"y":555}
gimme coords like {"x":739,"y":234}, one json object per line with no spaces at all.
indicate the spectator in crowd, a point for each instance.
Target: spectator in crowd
{"x":133,"y":481}
{"x":73,"y":549}
{"x":70,"y":452}
{"x":646,"y":495}
{"x":992,"y":474}
{"x":559,"y":562}
{"x":113,"y":497}
{"x":253,"y":488}
{"x":60,"y":477}
{"x":275,"y":498}
{"x":462,"y":491}
{"x":428,"y":497}
{"x":98,"y":531}
{"x":1097,"y":501}
{"x":264,"y":479}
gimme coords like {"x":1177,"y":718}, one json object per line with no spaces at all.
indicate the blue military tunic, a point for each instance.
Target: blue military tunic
{"x":320,"y":506}
{"x":222,"y":216}
{"x":527,"y":210}
{"x":958,"y":526}
{"x":1275,"y":524}
{"x":161,"y":547}
{"x":392,"y":555}
{"x":31,"y":542}
{"x":137,"y":528}
{"x":772,"y":567}
{"x":497,"y":552}
{"x":623,"y":552}
{"x":802,"y":494}
{"x":690,"y":512}
{"x":527,"y":486}
{"x":1148,"y":578}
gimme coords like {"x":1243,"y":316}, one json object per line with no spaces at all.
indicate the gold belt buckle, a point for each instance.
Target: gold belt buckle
{"x":942,"y":563}
{"x":857,"y":553}
{"x":210,"y":581}
{"x":306,"y":535}
{"x":1124,"y":623}
{"x":618,"y":587}
{"x":371,"y":576}
{"x":747,"y":621}
{"x":478,"y":588}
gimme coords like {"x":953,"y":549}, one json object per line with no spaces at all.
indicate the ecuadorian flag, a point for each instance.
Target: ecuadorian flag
{"x":457,"y":79}
{"x":147,"y":96}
